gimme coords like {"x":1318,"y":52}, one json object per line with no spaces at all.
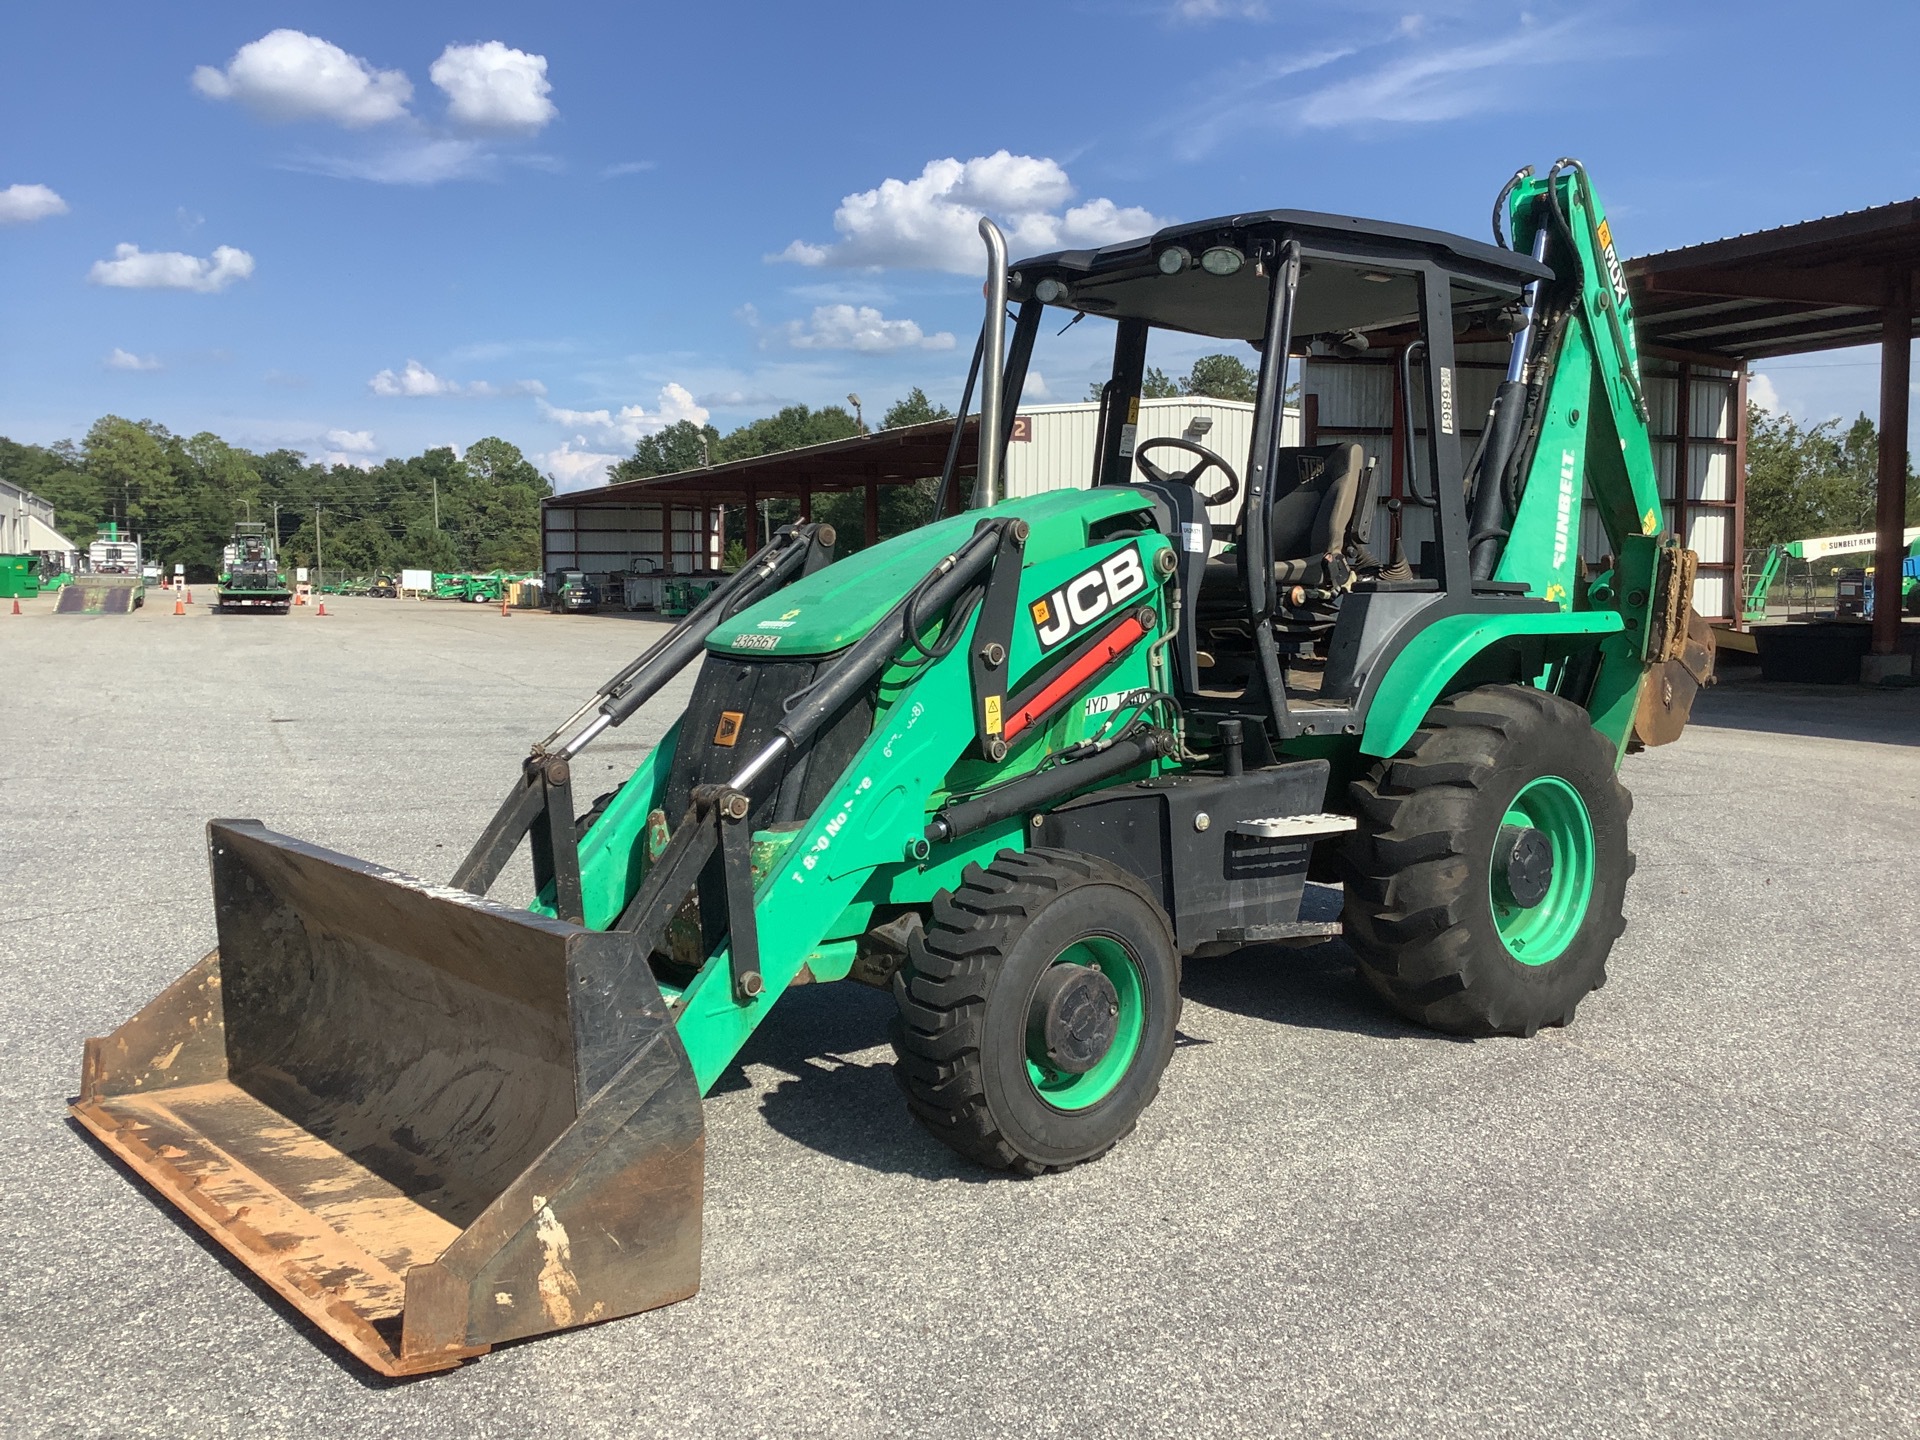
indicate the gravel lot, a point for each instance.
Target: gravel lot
{"x":1693,"y":1213}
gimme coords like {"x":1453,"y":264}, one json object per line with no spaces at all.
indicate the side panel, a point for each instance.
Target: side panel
{"x":855,"y":846}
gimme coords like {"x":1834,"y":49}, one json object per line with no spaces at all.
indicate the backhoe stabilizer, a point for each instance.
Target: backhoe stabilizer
{"x":430,"y":1121}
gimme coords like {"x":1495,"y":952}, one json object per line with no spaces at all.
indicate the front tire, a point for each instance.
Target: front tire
{"x":1037,"y":1011}
{"x":1486,"y":882}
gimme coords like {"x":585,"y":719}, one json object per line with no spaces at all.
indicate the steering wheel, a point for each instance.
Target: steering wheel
{"x":1208,"y":461}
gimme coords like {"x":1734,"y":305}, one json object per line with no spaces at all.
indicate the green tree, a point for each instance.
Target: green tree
{"x":1811,"y":480}
{"x":683,"y":445}
{"x":790,"y":429}
{"x":1221,"y":377}
{"x":131,"y":463}
{"x":913,"y":408}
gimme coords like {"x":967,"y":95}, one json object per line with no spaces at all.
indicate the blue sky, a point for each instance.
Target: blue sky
{"x":359,"y":230}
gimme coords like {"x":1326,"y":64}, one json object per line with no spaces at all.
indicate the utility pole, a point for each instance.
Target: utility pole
{"x":276,"y":527}
{"x":436,"y":504}
{"x":319,"y":564}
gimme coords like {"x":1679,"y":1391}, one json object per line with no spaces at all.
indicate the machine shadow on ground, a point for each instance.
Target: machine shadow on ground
{"x":840,"y":1101}
{"x":1819,"y":712}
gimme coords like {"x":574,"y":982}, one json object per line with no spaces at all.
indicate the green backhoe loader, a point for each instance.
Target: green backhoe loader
{"x":1013,"y":766}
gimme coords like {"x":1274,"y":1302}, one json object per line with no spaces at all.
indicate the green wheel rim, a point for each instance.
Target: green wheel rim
{"x":1077,"y":1092}
{"x":1540,"y":934}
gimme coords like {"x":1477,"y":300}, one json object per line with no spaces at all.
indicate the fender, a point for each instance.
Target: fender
{"x":1439,"y":652}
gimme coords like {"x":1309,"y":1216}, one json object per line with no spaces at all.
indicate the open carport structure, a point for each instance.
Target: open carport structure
{"x":673,"y":524}
{"x":1823,"y":284}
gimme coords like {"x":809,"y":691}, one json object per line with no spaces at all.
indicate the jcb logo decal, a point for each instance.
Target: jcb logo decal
{"x":1088,"y":596}
{"x":727,"y":732}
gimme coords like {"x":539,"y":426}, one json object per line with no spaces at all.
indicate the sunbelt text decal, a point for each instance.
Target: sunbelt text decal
{"x":1087,"y":596}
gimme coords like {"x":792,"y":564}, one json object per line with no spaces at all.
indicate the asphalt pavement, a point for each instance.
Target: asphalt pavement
{"x":1693,"y":1213}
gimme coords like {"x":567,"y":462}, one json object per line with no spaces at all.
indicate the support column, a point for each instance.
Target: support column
{"x":873,"y":511}
{"x":806,"y":503}
{"x":1738,"y":555}
{"x":754,"y":542}
{"x":1896,"y":371}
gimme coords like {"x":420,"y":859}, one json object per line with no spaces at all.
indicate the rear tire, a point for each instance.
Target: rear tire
{"x":1433,"y":910}
{"x":977,"y":1056}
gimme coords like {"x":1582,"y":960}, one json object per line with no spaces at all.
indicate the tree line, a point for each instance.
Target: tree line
{"x":182,"y":495}
{"x":1809,"y":480}
{"x":481,"y":510}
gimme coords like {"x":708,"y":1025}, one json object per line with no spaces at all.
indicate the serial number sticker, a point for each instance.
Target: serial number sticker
{"x":756,"y":641}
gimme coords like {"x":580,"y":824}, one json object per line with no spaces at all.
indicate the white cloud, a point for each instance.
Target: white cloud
{"x":126,"y":360}
{"x":1446,"y":83}
{"x":494,"y":87}
{"x":412,"y":383}
{"x":628,"y":167}
{"x":415,"y":381}
{"x":849,"y":327}
{"x":931,"y":222}
{"x":353,"y":442}
{"x":511,"y":387}
{"x":418,"y":160}
{"x":1761,"y":392}
{"x":135,"y":269}
{"x":1036,"y":387}
{"x":290,"y":75}
{"x":630,"y":423}
{"x":572,"y":469}
{"x":22,"y":204}
{"x":1219,"y":9}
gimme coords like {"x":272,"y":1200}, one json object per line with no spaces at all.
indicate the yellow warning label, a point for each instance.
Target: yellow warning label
{"x":1133,"y":411}
{"x":1604,"y":234}
{"x":728,"y":730}
{"x":1650,"y":523}
{"x":992,"y":707}
{"x":1042,"y":612}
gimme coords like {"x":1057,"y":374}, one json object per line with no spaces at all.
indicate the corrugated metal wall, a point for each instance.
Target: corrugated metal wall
{"x":1355,"y":400}
{"x":1059,"y":453}
{"x":605,"y":540}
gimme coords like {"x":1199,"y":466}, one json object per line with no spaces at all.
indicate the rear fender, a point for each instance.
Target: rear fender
{"x":1424,"y":670}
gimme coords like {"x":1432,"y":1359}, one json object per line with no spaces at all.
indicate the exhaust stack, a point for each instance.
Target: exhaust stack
{"x":993,"y":368}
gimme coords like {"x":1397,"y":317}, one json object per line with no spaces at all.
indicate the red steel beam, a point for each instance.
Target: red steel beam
{"x":1896,"y":371}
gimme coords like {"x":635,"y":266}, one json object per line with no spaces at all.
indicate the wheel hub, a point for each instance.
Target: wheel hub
{"x":1073,"y":1019}
{"x":1523,"y":864}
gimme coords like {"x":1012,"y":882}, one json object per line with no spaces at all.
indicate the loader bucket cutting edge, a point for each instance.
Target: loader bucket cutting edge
{"x":431,"y":1122}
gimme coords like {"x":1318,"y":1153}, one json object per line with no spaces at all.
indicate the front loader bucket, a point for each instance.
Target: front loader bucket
{"x":430,"y":1121}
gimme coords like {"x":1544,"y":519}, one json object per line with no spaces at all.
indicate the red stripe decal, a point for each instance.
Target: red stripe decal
{"x":1118,"y":640}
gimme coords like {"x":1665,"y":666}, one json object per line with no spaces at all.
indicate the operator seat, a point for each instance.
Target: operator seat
{"x":1317,"y":510}
{"x":1316,"y":525}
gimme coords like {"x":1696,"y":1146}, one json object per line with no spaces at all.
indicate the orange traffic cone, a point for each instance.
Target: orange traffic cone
{"x":503,"y":604}
{"x":323,"y":608}
{"x":179,"y":606}
{"x":189,"y":597}
{"x":16,"y":607}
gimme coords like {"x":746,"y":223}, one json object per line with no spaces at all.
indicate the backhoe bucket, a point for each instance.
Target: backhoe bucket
{"x":430,"y":1121}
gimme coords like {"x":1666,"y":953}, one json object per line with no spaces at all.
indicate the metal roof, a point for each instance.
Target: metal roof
{"x":890,"y":457}
{"x":1817,"y":285}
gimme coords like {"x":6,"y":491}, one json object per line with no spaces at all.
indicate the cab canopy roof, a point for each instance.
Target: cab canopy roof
{"x":1356,"y":274}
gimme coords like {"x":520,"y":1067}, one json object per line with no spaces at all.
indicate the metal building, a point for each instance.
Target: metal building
{"x":672,"y":525}
{"x":27,"y":528}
